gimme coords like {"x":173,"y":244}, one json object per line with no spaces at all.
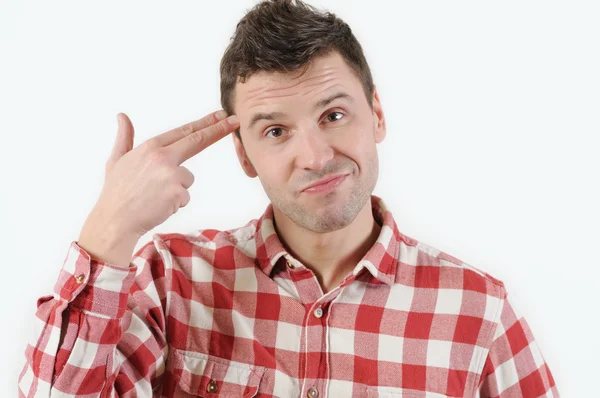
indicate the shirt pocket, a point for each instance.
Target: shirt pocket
{"x":202,"y":375}
{"x":397,"y":392}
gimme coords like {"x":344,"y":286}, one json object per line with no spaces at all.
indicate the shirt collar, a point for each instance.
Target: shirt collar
{"x":381,"y":260}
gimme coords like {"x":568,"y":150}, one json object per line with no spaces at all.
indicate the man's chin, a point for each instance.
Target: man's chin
{"x":327,"y":217}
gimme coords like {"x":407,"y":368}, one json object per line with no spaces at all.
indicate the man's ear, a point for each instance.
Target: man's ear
{"x":243,"y":157}
{"x":379,"y":118}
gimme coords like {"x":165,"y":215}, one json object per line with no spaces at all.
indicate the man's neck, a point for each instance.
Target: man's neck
{"x":331,"y":256}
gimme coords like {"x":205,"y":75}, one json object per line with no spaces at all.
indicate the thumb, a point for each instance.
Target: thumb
{"x":124,"y":140}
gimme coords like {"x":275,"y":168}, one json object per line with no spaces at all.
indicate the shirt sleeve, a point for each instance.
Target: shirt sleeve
{"x":113,"y":339}
{"x":515,"y":366}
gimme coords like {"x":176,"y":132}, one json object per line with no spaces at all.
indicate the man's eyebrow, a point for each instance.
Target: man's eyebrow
{"x":264,"y":116}
{"x":321,"y":104}
{"x":324,"y":102}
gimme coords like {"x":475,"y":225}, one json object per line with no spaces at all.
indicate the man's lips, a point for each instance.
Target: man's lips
{"x":324,"y":181}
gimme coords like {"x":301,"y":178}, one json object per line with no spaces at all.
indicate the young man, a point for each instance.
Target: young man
{"x":320,"y":296}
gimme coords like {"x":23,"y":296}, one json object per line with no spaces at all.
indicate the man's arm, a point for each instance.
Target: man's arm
{"x":102,"y":333}
{"x":515,"y":366}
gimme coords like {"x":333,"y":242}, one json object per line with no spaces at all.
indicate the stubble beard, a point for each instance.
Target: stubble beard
{"x":330,"y":217}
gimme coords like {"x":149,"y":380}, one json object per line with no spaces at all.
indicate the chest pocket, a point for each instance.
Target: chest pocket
{"x":202,"y":375}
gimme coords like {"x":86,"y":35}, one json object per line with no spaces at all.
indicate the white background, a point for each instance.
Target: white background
{"x":491,"y":155}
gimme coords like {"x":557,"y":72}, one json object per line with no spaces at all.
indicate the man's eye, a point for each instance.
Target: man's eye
{"x":329,"y":118}
{"x":277,"y":132}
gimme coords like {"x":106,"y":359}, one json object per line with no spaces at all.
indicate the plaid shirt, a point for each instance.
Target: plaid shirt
{"x":233,"y":314}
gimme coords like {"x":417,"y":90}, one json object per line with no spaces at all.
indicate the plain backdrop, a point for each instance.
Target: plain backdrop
{"x":491,"y":152}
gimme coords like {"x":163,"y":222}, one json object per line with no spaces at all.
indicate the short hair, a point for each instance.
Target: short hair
{"x":284,"y":36}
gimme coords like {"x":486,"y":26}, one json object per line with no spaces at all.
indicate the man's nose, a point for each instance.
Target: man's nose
{"x":313,"y":149}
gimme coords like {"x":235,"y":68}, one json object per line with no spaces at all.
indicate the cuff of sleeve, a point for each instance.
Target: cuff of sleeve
{"x":92,"y":285}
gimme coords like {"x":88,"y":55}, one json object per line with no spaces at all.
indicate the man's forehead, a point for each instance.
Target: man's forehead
{"x":322,"y":74}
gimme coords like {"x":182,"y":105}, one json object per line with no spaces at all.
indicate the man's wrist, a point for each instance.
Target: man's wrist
{"x":107,"y":242}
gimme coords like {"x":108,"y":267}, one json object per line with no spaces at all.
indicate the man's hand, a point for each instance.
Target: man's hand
{"x":144,"y":186}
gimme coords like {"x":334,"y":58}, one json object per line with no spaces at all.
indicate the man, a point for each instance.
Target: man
{"x":320,"y":296}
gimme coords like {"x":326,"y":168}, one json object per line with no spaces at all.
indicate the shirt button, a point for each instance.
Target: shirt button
{"x":79,"y":278}
{"x":312,"y":392}
{"x":212,"y":386}
{"x":318,"y":312}
{"x":289,"y":264}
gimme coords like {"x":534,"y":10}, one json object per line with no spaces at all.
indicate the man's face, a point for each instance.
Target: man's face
{"x":299,"y":130}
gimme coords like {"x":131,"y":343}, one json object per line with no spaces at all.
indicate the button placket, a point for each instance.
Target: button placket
{"x":316,"y":341}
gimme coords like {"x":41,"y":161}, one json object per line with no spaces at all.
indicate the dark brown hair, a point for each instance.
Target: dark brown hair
{"x":284,"y":36}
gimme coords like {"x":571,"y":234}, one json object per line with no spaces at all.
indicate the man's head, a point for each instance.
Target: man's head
{"x":300,"y":85}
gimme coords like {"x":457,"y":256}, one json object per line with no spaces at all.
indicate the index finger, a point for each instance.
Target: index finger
{"x":196,"y":142}
{"x":180,"y":132}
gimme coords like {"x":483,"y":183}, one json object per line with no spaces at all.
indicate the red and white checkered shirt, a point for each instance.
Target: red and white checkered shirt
{"x":233,"y":314}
